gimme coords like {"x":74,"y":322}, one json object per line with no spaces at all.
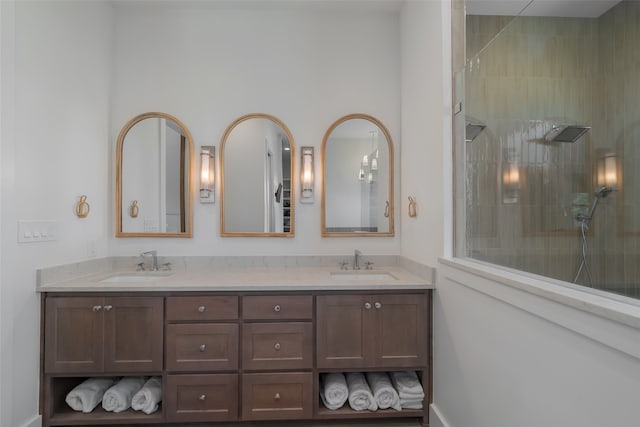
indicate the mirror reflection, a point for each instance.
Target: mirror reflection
{"x":357,"y":195}
{"x":152,"y":180}
{"x":256,"y":198}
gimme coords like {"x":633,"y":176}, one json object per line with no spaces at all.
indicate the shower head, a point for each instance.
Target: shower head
{"x":566,"y":133}
{"x":473,"y":130}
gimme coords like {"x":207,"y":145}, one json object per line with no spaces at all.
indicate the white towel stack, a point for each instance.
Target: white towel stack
{"x":148,"y":397}
{"x":386,"y":396}
{"x":86,"y":396}
{"x":360,"y":396}
{"x":118,"y":398}
{"x":334,"y":392}
{"x":409,"y":389}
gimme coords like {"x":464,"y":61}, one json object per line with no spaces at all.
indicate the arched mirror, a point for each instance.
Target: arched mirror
{"x":153,"y":184}
{"x":256,"y":162}
{"x":357,"y":194}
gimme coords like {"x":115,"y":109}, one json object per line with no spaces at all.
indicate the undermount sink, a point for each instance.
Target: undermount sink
{"x":149,"y":276}
{"x":362,"y":275}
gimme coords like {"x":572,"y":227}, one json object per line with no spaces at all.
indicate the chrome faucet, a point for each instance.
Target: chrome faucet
{"x":356,"y":259}
{"x":154,"y":259}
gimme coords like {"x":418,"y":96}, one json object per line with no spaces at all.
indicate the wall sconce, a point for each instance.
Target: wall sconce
{"x":306,"y":174}
{"x":607,"y":173}
{"x":207,"y":174}
{"x":510,"y":177}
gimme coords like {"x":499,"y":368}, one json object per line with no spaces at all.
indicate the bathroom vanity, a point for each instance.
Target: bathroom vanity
{"x":235,"y":346}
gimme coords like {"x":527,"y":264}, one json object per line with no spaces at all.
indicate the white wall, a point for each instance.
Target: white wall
{"x":306,"y":66}
{"x":423,"y":144}
{"x":55,"y":146}
{"x":505,"y":356}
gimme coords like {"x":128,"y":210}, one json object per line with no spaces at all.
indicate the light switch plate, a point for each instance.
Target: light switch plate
{"x":37,"y":231}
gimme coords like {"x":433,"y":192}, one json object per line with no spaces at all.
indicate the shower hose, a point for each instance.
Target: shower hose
{"x":583,"y":262}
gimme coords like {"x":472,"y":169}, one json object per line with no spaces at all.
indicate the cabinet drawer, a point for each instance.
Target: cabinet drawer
{"x":202,"y":397}
{"x":202,"y":346}
{"x":277,"y":345}
{"x":277,"y":307}
{"x":277,"y":396}
{"x":202,"y":308}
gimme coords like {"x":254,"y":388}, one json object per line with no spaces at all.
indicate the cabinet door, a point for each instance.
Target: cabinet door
{"x":277,"y":396}
{"x":202,"y":346}
{"x":400,"y":337}
{"x":341,"y":331}
{"x":197,"y":398}
{"x":133,"y":334}
{"x":73,"y":335}
{"x":272,"y":346}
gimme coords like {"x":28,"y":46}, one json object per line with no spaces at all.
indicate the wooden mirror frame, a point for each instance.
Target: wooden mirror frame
{"x":189,"y":156}
{"x":225,"y":136}
{"x":390,"y":199}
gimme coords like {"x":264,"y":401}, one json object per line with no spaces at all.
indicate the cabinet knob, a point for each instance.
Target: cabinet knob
{"x":276,"y":308}
{"x":96,"y":308}
{"x":277,"y":346}
{"x":202,"y":308}
{"x":367,"y":305}
{"x":108,"y":307}
{"x":277,"y":396}
{"x":378,"y":305}
{"x":202,"y":397}
{"x":203,"y":347}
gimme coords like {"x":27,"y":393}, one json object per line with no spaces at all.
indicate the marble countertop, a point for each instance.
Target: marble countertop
{"x":242,"y":279}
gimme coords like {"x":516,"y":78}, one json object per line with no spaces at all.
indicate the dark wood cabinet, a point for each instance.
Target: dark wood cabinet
{"x":277,"y":396}
{"x":372,"y":331}
{"x":202,"y":347}
{"x":231,"y":357}
{"x":192,"y":398}
{"x":271,"y":346}
{"x":103,"y":334}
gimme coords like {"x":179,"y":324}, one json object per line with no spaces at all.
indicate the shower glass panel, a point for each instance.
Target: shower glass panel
{"x":559,"y":99}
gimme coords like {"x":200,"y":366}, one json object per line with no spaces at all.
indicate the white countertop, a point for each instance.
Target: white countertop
{"x":244,"y":279}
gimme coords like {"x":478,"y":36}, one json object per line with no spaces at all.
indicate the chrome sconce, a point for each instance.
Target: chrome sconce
{"x":306,"y":175}
{"x":607,"y":171}
{"x":207,"y":174}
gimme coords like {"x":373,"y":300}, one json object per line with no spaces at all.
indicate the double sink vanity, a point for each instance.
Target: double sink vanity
{"x":234,"y":340}
{"x":240,"y":339}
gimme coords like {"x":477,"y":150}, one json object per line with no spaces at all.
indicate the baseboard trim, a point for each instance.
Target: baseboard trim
{"x":436,"y":419}
{"x":36,"y":421}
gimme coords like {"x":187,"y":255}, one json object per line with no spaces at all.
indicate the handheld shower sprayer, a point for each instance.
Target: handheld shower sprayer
{"x":600,"y":193}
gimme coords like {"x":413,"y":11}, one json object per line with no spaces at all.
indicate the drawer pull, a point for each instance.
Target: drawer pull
{"x":108,"y":307}
{"x":203,"y":347}
{"x":378,"y":305}
{"x":277,"y":346}
{"x":202,"y":397}
{"x":277,"y":396}
{"x":96,"y":308}
{"x":202,"y":308}
{"x":276,"y":308}
{"x":367,"y":305}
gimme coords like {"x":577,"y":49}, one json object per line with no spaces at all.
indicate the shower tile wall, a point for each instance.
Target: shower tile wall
{"x":524,"y":75}
{"x":618,"y":123}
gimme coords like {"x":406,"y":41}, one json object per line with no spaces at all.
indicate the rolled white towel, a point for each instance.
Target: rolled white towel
{"x":334,"y":392}
{"x":148,"y":397}
{"x":407,"y":384}
{"x":386,"y":396}
{"x":360,"y":396}
{"x":118,"y":397}
{"x":87,"y":395}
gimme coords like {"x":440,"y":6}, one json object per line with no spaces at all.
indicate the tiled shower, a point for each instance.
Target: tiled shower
{"x":525,"y":75}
